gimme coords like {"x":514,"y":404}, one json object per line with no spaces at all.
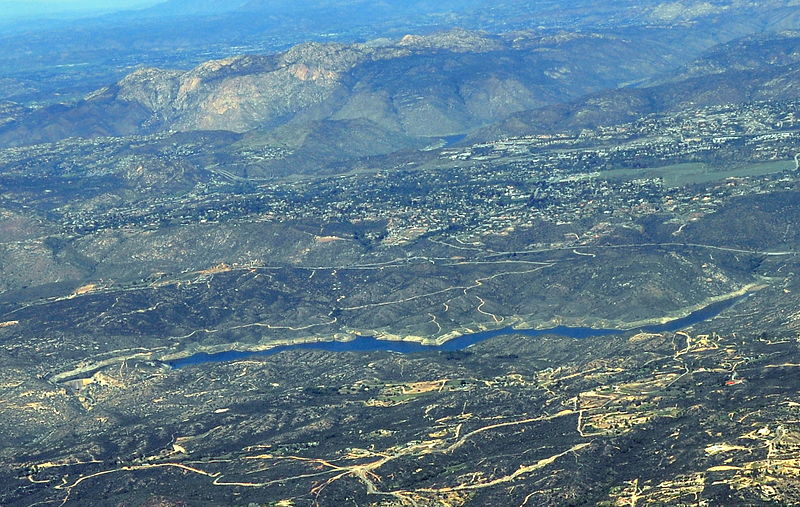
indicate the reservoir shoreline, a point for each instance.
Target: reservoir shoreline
{"x":373,"y":344}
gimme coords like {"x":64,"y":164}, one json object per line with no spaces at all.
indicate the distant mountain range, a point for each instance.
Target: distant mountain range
{"x":285,"y":7}
{"x":56,"y":61}
{"x":418,"y":86}
{"x":353,"y":100}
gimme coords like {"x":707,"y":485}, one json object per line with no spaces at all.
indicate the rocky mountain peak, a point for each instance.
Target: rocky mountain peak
{"x":456,"y":40}
{"x":334,"y":56}
{"x":234,"y":65}
{"x":149,"y":86}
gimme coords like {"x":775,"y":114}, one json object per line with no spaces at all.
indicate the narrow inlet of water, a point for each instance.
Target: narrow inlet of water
{"x":371,"y":344}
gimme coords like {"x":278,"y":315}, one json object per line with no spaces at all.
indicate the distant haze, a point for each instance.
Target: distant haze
{"x":49,"y":9}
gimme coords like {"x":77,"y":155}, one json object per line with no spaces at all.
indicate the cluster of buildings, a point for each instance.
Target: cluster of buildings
{"x":489,"y":188}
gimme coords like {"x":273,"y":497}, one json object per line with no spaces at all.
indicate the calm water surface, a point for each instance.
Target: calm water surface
{"x":371,"y":344}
